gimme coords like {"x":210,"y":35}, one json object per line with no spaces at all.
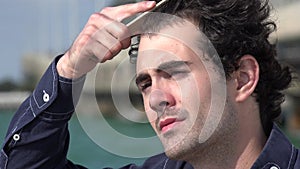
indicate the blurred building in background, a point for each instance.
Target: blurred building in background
{"x":288,"y":37}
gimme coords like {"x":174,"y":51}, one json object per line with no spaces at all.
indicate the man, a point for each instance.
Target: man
{"x":179,"y":76}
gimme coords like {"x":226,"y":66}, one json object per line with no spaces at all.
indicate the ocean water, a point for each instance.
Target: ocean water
{"x":86,"y":150}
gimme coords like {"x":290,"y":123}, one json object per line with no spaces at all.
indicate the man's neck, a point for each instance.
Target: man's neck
{"x":230,"y":155}
{"x":238,"y":152}
{"x":252,"y":149}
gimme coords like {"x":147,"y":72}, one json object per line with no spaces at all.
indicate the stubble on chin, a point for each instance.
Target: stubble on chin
{"x":178,"y":145}
{"x":220,"y":141}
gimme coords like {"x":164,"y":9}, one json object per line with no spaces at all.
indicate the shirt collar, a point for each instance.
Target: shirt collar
{"x":278,"y":152}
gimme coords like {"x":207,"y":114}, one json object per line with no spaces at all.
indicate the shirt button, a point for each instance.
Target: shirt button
{"x":16,"y":137}
{"x":274,"y":167}
{"x":45,"y":96}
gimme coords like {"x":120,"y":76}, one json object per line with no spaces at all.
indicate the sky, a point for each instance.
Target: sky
{"x":39,"y":26}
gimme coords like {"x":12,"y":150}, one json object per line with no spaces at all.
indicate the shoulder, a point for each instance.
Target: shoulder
{"x":278,"y":152}
{"x":297,"y":161}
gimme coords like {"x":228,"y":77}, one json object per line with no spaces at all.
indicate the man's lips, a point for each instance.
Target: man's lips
{"x":166,"y":124}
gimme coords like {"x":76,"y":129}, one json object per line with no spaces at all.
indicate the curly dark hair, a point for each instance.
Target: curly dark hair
{"x":236,"y":28}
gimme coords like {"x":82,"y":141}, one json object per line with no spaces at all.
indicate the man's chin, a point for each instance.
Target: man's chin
{"x":171,"y":149}
{"x":181,"y":150}
{"x":174,"y":149}
{"x":175,"y":154}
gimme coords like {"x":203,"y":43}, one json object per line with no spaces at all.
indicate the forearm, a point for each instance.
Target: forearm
{"x":38,"y":134}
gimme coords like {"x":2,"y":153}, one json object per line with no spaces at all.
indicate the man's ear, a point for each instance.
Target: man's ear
{"x":247,"y":77}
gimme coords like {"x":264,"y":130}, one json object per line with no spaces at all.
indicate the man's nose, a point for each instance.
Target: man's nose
{"x":160,"y":101}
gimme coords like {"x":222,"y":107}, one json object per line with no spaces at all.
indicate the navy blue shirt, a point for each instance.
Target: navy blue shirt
{"x":38,"y":135}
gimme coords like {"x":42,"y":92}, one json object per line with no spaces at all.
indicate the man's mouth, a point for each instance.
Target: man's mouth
{"x":167,"y":124}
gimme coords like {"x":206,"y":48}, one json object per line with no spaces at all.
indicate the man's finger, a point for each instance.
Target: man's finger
{"x":124,"y":11}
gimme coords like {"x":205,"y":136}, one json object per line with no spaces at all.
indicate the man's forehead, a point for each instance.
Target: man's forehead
{"x":159,"y":51}
{"x":178,"y":42}
{"x":184,"y":32}
{"x":157,"y":59}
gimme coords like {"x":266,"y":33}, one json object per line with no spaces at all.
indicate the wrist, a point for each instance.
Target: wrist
{"x":65,"y":68}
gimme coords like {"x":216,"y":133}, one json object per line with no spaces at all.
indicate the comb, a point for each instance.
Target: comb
{"x":133,"y":24}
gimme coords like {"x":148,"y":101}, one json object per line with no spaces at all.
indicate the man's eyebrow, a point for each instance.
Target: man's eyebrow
{"x":172,"y":64}
{"x":162,"y":67}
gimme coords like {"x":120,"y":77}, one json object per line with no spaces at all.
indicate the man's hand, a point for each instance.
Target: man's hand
{"x":102,"y":38}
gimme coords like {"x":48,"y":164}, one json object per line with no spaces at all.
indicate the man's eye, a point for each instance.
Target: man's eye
{"x":144,"y":85}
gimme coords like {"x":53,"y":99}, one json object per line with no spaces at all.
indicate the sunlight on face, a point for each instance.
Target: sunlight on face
{"x":179,"y":85}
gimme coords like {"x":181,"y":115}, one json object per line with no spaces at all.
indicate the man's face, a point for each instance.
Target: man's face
{"x":176,"y":90}
{"x":167,"y":77}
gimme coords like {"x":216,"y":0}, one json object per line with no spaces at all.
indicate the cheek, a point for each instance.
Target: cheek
{"x":196,"y":95}
{"x":189,"y":92}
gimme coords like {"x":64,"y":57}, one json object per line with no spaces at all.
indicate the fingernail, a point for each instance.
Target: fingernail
{"x":150,"y":3}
